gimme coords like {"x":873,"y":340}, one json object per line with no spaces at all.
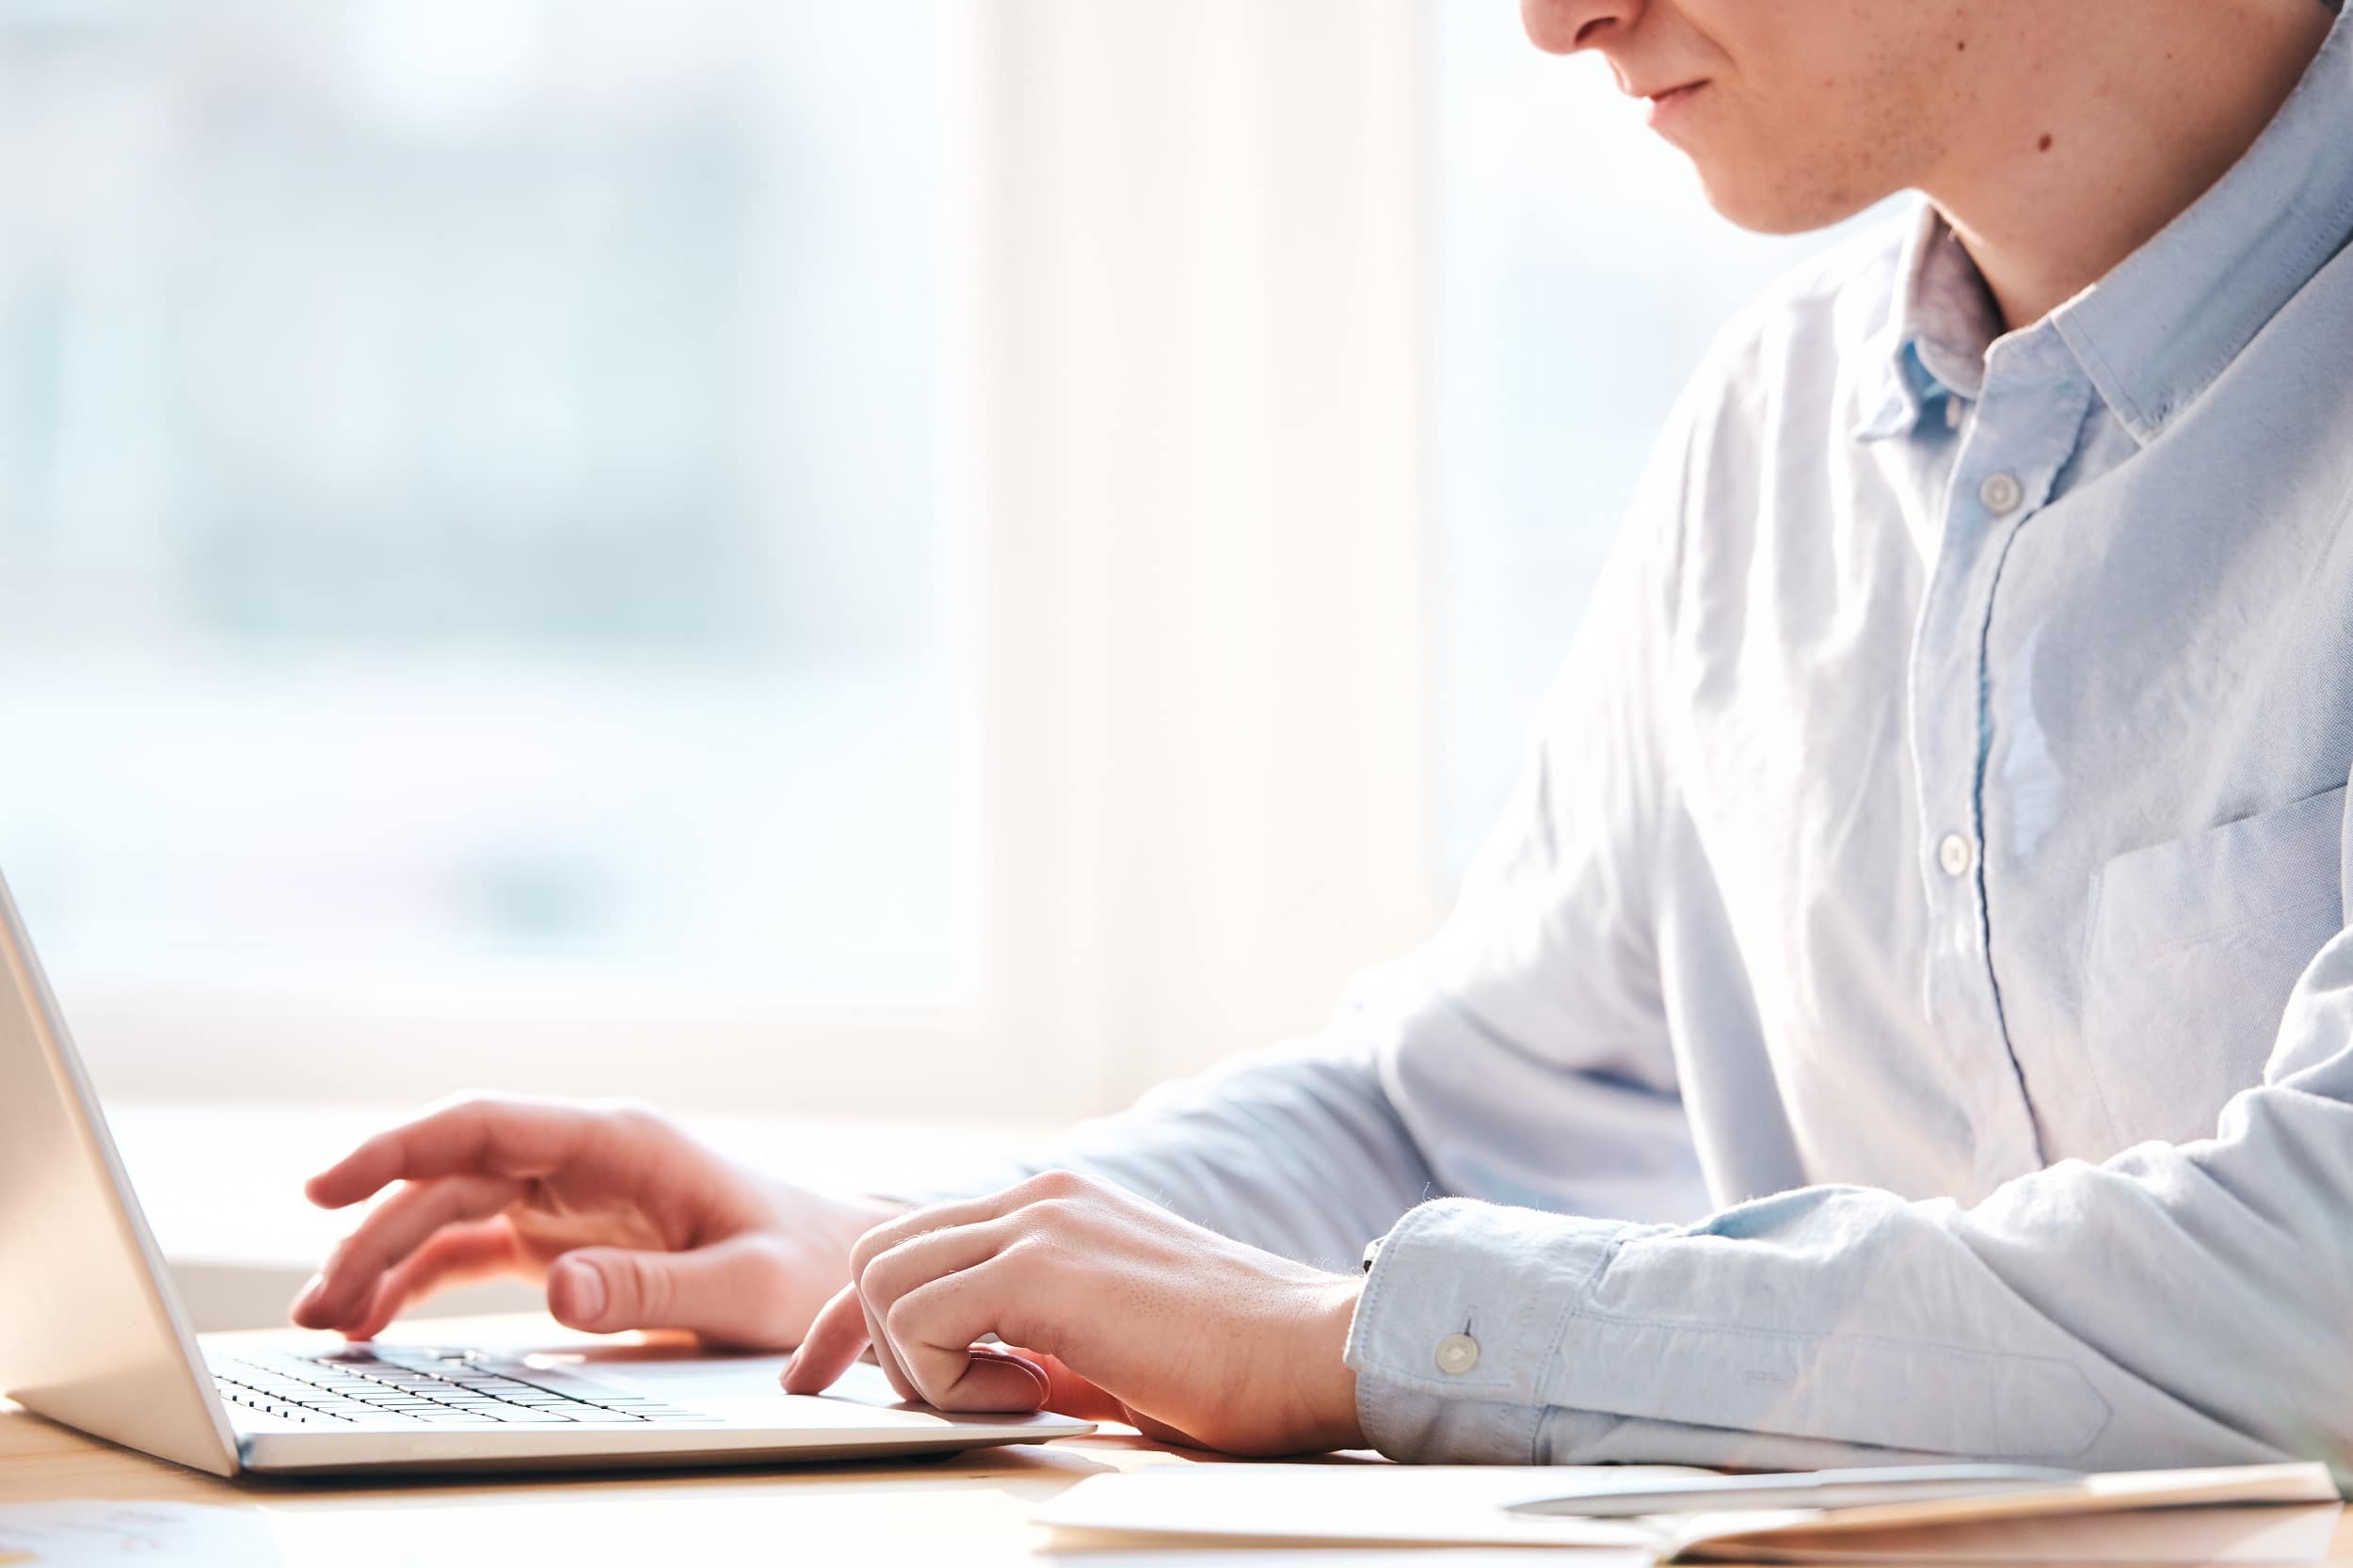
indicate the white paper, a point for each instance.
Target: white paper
{"x":2112,"y":1494}
{"x":2277,"y":1535}
{"x":1425,"y":1505}
{"x":89,"y":1534}
{"x":2111,"y":1517}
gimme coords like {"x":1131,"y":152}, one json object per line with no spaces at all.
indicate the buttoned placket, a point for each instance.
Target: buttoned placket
{"x":2019,"y":437}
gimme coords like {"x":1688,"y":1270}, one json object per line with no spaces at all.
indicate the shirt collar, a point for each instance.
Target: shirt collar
{"x":2155,"y":332}
{"x":2167,"y":320}
{"x":1941,"y":322}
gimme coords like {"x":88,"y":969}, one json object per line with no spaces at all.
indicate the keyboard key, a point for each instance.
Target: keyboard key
{"x":439,"y":1388}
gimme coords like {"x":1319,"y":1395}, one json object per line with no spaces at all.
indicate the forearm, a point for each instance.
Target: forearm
{"x":2177,"y":1306}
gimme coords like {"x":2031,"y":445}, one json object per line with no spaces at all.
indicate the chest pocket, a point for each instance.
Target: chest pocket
{"x":2194,"y":948}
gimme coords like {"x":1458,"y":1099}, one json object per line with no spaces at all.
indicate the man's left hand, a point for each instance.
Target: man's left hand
{"x":1111,"y":1309}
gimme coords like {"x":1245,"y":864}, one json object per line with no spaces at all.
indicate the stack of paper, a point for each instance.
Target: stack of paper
{"x":2278,"y":1514}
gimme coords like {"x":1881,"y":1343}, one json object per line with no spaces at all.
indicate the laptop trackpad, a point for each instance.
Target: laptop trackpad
{"x":737,"y":1388}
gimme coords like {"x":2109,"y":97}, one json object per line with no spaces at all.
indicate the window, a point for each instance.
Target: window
{"x":850,"y":555}
{"x":856,"y":556}
{"x":474,"y":509}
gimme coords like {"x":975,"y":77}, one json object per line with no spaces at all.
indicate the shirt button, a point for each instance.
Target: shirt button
{"x":1955,"y":855}
{"x":1457,"y":1354}
{"x":2000,"y":493}
{"x":1952,"y":412}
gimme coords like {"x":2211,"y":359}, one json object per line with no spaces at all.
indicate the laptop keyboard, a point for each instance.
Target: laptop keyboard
{"x":428,"y":1388}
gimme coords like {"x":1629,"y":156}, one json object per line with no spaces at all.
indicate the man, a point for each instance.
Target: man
{"x":1932,"y":871}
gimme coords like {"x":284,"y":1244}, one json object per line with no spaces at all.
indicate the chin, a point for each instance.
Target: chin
{"x":1765,"y":201}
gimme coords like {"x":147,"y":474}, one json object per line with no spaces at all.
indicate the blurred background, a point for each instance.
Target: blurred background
{"x":942,"y":558}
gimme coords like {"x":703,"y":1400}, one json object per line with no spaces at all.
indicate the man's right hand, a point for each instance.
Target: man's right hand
{"x":628,"y":1221}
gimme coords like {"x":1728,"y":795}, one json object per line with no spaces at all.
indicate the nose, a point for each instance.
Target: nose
{"x":1565,"y":26}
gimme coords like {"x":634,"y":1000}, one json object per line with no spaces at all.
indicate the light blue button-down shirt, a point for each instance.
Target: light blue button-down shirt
{"x":1907,"y":1011}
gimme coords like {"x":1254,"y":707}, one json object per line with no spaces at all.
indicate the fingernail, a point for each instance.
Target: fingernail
{"x":309,"y":1291}
{"x":587,"y":1288}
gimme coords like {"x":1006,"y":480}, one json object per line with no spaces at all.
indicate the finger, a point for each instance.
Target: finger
{"x":728,"y":1293}
{"x":393,"y":1229}
{"x":1069,"y":1393}
{"x":1033,"y":1398}
{"x":846,"y":1328}
{"x":509,"y":1138}
{"x":910,"y":1265}
{"x":839,"y":1333}
{"x":933,"y":1326}
{"x":834,"y":1340}
{"x":962,"y":1211}
{"x":933,"y":1255}
{"x":885,"y":1356}
{"x":453,"y":1255}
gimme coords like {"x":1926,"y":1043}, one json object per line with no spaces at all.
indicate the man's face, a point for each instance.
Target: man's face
{"x":1798,"y":113}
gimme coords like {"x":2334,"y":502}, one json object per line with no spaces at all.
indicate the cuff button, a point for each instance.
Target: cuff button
{"x":1457,"y":1354}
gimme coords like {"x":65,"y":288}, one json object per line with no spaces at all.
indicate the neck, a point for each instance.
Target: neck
{"x":2097,"y":124}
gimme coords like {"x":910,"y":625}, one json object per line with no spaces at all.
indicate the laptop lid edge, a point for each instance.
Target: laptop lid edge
{"x":91,"y":1331}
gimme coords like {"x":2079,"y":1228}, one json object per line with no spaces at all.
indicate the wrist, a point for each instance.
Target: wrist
{"x":819,"y":1228}
{"x":1332,"y":1418}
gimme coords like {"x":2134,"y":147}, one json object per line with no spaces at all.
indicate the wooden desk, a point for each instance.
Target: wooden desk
{"x":965,"y":1509}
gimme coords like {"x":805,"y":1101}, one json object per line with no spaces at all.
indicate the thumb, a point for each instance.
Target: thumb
{"x":729,"y":1293}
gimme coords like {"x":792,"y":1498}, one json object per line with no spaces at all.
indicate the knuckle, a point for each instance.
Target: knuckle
{"x":772,"y":1258}
{"x":643,"y":1289}
{"x":866,"y":1249}
{"x":1056,"y":1216}
{"x":893,"y":1269}
{"x":636,"y":1116}
{"x":470,"y":1105}
{"x":1046,"y":1214}
{"x":900,"y":1321}
{"x":1030,"y":1251}
{"x":891,"y":1234}
{"x":1055,"y":1183}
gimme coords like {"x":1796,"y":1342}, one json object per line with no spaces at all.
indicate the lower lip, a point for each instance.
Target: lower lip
{"x":1666,"y":105}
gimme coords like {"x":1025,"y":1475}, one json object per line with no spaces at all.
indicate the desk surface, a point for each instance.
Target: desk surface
{"x":962,"y":1509}
{"x":967,"y":1510}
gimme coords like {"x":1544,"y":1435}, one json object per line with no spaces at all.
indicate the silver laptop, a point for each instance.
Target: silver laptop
{"x":92,"y":1336}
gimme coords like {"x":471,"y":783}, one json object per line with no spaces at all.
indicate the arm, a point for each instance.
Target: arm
{"x":2177,"y":1305}
{"x":1521,"y":1056}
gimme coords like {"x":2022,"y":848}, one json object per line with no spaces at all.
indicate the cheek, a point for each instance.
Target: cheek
{"x":1800,"y":159}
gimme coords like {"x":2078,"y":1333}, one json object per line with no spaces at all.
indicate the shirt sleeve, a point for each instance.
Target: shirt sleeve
{"x":2178,"y":1304}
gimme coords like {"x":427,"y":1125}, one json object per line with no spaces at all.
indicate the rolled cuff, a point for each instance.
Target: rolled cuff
{"x":1456,"y":1277}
